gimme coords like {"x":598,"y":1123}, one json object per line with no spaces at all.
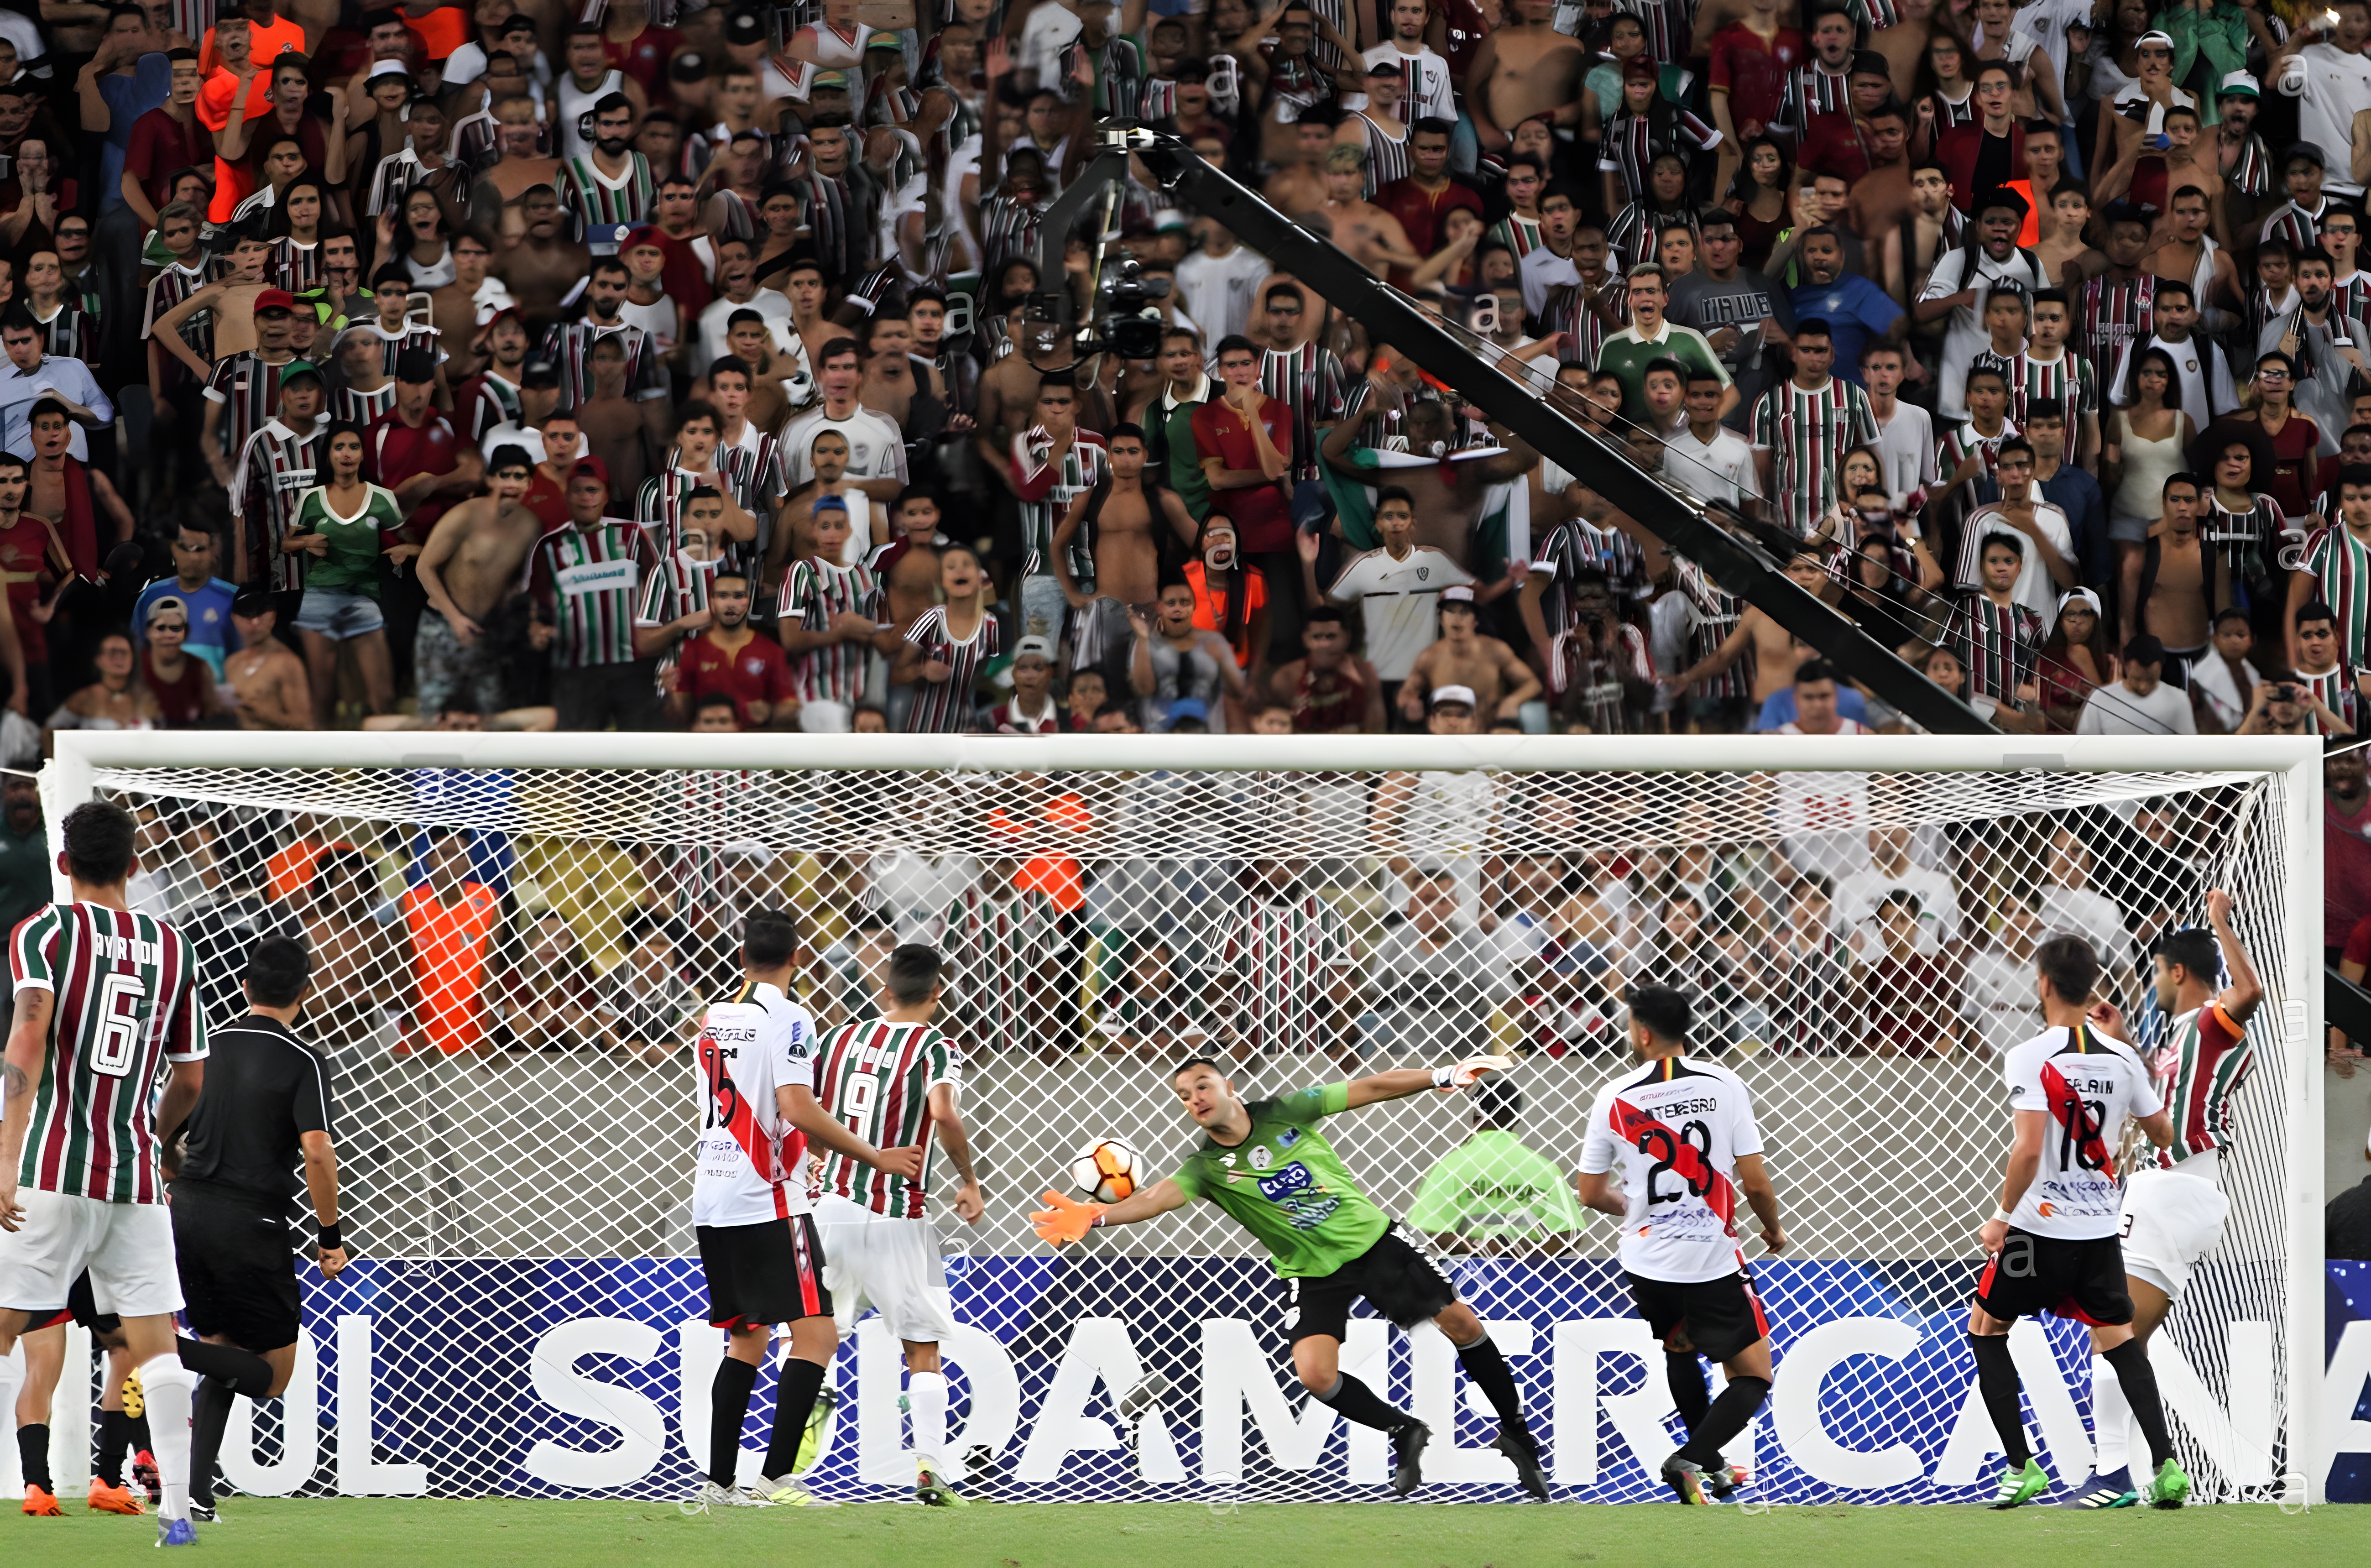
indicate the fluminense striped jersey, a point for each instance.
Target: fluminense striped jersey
{"x":124,"y":1005}
{"x":1282,"y":955}
{"x":1577,"y":664}
{"x":2110,"y":313}
{"x":275,"y":468}
{"x":569,"y":346}
{"x":2205,"y":1057}
{"x":677,"y":586}
{"x":1576,"y":544}
{"x":2070,"y":378}
{"x":1310,"y":382}
{"x":756,"y":469}
{"x":484,"y":402}
{"x":1045,"y":485}
{"x":588,"y":581}
{"x":2251,"y":173}
{"x":1008,"y":228}
{"x":2302,"y":229}
{"x":1959,"y":443}
{"x":167,"y":288}
{"x":2339,"y":563}
{"x":392,"y":345}
{"x":2348,"y":296}
{"x":355,"y":406}
{"x":1387,"y":157}
{"x":943,"y":707}
{"x":1671,"y":24}
{"x":1808,"y":434}
{"x":1997,"y":644}
{"x":1714,"y":614}
{"x":813,"y":592}
{"x":1426,"y":86}
{"x":594,"y":198}
{"x":1632,"y":143}
{"x":2341,"y":692}
{"x":1631,"y":235}
{"x":1948,"y":114}
{"x":832,"y":226}
{"x":877,"y":1078}
{"x":69,"y":332}
{"x":1812,"y":91}
{"x":248,"y":387}
{"x":2240,"y":539}
{"x":297,"y":267}
{"x":1517,"y":233}
{"x":660,"y":505}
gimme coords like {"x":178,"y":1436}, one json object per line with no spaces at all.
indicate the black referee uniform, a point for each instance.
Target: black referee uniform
{"x":265,"y":1088}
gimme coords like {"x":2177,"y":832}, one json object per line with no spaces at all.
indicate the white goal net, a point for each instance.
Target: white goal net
{"x":1853,"y":919}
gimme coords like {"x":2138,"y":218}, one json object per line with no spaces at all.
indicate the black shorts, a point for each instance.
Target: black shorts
{"x":1722,"y":1317}
{"x":81,"y":1307}
{"x":238,"y":1270}
{"x":1398,"y":1277}
{"x":2034,"y":1275}
{"x":763,"y":1274}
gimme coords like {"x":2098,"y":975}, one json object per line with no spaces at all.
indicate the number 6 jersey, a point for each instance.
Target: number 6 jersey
{"x":2084,"y":1083}
{"x":752,"y":1162}
{"x":1673,"y":1130}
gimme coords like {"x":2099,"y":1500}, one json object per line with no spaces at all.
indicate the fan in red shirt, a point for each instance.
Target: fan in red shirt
{"x":1752,"y":59}
{"x":412,"y":450}
{"x":632,"y":45}
{"x":1243,"y":438}
{"x":1424,"y":199}
{"x":731,"y":658}
{"x":168,"y":138}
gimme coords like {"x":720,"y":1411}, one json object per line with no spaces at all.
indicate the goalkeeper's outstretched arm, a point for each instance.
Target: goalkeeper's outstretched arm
{"x":1068,"y":1220}
{"x":1400,"y":1083}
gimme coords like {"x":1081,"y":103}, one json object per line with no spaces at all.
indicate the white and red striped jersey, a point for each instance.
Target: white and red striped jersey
{"x":877,"y":1078}
{"x":125,"y":1003}
{"x":749,"y":1164}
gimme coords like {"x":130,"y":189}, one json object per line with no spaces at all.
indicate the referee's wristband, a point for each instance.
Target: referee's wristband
{"x":332,"y":1239}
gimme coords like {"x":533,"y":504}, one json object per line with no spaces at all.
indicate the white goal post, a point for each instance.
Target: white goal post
{"x":517,"y":1111}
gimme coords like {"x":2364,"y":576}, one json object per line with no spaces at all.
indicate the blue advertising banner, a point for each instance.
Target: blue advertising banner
{"x":1114,"y":1378}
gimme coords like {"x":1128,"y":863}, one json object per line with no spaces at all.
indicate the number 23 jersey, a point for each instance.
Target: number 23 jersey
{"x":2084,"y":1083}
{"x":1672,"y":1130}
{"x":751,"y":1161}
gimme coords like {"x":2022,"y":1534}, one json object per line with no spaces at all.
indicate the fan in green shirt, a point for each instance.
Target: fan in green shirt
{"x":341,"y":524}
{"x":1650,"y":337}
{"x":1492,"y":1193}
{"x":1267,"y":1164}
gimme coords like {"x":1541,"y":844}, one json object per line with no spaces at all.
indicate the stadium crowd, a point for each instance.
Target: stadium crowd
{"x":689,"y":366}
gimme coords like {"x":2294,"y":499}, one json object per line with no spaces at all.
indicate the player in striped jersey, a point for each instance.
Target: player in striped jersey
{"x":758,"y":1250}
{"x":2335,"y":570}
{"x":947,"y":646}
{"x":830,"y":616}
{"x":2340,"y":690}
{"x":2173,"y":1214}
{"x":893,"y":1081}
{"x":106,"y":1004}
{"x":607,"y":189}
{"x":1803,"y":427}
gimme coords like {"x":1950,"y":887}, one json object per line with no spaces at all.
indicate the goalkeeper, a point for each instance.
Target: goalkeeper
{"x":1268,"y":1165}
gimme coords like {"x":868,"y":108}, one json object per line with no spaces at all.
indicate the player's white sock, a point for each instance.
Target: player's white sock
{"x":2111,"y":1419}
{"x":926,"y":1405}
{"x":170,"y":1388}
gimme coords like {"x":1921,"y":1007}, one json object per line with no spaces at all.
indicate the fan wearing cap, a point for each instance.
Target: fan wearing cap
{"x":538,"y":398}
{"x":366,"y":387}
{"x":1032,"y":709}
{"x":584,"y":580}
{"x":1464,"y":660}
{"x":2138,"y":121}
{"x":492,"y":396}
{"x":278,"y":463}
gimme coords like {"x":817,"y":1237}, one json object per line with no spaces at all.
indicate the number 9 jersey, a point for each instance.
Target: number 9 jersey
{"x":752,"y":1162}
{"x":1674,"y":1128}
{"x":2086,"y":1084}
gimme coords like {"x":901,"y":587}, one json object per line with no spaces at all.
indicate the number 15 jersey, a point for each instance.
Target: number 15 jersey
{"x":751,"y":1161}
{"x":1673,"y":1130}
{"x":2084,"y":1083}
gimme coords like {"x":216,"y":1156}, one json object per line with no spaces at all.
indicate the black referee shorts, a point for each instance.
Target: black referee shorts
{"x":238,"y":1271}
{"x":1723,"y":1317}
{"x":2079,"y":1279}
{"x":1398,"y":1277}
{"x":763,"y":1274}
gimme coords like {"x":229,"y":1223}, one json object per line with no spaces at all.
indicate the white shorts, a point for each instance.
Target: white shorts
{"x":128,"y":1248}
{"x":2171,"y":1221}
{"x":890,"y":1264}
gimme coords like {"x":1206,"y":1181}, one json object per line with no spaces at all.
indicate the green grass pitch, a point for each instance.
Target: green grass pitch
{"x":332,"y":1533}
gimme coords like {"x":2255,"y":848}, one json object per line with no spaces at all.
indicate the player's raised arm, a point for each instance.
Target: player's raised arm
{"x":1377,"y":1087}
{"x":2245,"y":992}
{"x":799,"y":1106}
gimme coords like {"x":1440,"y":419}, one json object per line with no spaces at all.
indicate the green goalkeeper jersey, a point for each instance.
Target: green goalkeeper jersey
{"x":1286,"y":1186}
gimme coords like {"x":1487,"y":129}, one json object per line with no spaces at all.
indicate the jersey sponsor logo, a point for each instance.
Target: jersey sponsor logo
{"x":595,"y":577}
{"x":1288,"y":1137}
{"x":1284,"y":1183}
{"x":1261,"y":1160}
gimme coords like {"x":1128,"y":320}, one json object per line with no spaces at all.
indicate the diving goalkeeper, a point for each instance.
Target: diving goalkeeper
{"x":1266,"y":1164}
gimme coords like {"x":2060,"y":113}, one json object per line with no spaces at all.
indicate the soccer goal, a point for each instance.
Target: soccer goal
{"x":1853,"y":919}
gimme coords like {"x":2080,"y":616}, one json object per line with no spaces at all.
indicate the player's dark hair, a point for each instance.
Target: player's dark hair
{"x":1193,"y":1062}
{"x":914,"y":972}
{"x":2070,"y":966}
{"x":1663,"y":1010}
{"x":98,"y":838}
{"x":2194,"y":949}
{"x":277,"y":969}
{"x":769,"y":938}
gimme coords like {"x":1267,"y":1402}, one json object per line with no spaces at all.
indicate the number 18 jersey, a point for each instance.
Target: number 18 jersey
{"x":1673,"y":1130}
{"x":2086,"y":1084}
{"x":751,"y":1161}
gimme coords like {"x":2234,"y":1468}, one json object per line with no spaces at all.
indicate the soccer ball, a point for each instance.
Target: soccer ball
{"x":1108,"y":1170}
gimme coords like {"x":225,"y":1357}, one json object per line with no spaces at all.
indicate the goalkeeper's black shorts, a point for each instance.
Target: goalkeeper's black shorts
{"x":1398,"y":1275}
{"x":763,"y":1274}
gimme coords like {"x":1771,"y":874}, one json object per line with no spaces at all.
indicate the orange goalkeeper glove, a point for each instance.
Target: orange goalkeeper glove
{"x":1465,"y":1073}
{"x":1069,"y":1220}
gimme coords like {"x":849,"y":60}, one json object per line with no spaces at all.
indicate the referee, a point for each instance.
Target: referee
{"x":265,"y":1107}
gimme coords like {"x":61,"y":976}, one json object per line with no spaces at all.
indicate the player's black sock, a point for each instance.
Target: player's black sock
{"x":2139,"y":1380}
{"x":33,"y":1455}
{"x":1724,"y":1419}
{"x":728,"y":1403}
{"x":1484,"y":1364}
{"x":114,"y":1439}
{"x":2004,"y":1394}
{"x":209,"y":1414}
{"x":794,"y":1403}
{"x":240,"y":1371}
{"x":1690,"y":1394}
{"x":140,"y":1440}
{"x":1355,"y":1401}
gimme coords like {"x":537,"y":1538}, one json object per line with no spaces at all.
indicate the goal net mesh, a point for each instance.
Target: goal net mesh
{"x":516,"y":1104}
